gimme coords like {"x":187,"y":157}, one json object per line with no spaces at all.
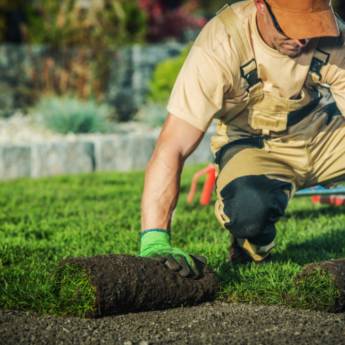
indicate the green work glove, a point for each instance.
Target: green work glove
{"x":156,"y":243}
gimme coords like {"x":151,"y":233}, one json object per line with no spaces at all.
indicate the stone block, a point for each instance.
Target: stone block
{"x":7,"y":96}
{"x":15,"y":161}
{"x":62,"y":157}
{"x":123,"y":152}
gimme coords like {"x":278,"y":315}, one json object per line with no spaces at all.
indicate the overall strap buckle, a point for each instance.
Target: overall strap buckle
{"x":243,"y":44}
{"x":319,"y":60}
{"x":249,"y":72}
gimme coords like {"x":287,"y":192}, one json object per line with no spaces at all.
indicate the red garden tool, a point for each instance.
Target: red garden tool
{"x":331,"y":195}
{"x":335,"y":200}
{"x":209,"y":184}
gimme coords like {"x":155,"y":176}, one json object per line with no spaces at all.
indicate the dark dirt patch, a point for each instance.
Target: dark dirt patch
{"x":126,"y":283}
{"x":216,"y":323}
{"x":336,"y":270}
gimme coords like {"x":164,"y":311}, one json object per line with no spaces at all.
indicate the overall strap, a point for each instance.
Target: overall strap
{"x":319,"y":60}
{"x":242,"y":44}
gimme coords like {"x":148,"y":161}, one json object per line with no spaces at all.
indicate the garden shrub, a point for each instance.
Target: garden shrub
{"x":171,"y":19}
{"x":102,"y":23}
{"x":12,"y":20}
{"x":81,"y":40}
{"x":164,"y":77}
{"x":71,"y":115}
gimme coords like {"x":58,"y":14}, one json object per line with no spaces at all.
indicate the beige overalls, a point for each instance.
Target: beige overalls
{"x":300,"y":141}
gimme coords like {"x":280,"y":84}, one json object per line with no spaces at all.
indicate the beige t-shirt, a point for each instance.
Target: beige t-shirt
{"x":209,"y":85}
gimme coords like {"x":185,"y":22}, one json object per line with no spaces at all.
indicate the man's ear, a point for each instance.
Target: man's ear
{"x":260,"y":6}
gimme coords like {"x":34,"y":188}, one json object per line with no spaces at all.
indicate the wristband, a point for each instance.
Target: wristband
{"x":142,"y":233}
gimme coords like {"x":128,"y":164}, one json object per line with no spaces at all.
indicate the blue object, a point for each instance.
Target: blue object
{"x":320,"y":190}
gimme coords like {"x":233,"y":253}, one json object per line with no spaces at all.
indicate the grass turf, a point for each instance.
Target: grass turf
{"x":43,"y":221}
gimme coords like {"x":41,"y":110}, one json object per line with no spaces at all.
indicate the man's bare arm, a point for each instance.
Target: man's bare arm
{"x":176,"y":142}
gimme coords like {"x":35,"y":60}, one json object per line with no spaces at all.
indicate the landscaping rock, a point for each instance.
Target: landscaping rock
{"x":123,"y":152}
{"x":54,"y":154}
{"x":15,"y":161}
{"x":62,"y":157}
{"x":126,"y":283}
{"x":6,"y":100}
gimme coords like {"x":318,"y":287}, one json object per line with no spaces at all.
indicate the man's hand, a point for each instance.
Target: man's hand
{"x":155,"y":243}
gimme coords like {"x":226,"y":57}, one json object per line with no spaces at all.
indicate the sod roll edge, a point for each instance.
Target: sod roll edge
{"x":321,"y":286}
{"x":114,"y":284}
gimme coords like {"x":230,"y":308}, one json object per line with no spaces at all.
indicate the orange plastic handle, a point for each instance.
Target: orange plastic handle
{"x":206,"y":194}
{"x":208,"y":187}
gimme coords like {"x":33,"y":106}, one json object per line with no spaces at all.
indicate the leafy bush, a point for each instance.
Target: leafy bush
{"x":152,"y":114}
{"x":170,"y":18}
{"x":81,"y":37}
{"x":103,"y":23}
{"x":164,"y":77}
{"x":68,"y":114}
{"x":12,"y":17}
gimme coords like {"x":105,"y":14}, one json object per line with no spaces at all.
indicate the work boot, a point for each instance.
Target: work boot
{"x":241,"y":251}
{"x":237,"y":255}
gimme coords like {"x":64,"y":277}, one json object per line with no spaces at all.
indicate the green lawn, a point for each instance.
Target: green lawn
{"x":43,"y":221}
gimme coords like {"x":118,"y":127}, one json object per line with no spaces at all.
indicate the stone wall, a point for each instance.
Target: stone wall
{"x":27,"y":70}
{"x":85,"y":154}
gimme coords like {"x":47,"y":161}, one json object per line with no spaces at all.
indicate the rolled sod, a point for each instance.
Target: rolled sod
{"x":115,"y":284}
{"x":321,"y":286}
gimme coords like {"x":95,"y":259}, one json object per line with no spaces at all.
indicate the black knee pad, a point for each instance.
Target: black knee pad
{"x":253,"y":204}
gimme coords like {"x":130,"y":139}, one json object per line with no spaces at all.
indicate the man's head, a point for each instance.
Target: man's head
{"x":288,"y":25}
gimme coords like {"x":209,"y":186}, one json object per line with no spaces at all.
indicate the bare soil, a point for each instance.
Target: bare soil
{"x":210,"y":323}
{"x":126,"y":283}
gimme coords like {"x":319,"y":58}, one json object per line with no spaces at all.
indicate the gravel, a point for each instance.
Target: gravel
{"x":210,"y":323}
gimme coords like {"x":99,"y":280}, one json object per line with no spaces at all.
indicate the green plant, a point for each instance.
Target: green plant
{"x":103,"y":23}
{"x":68,"y":114}
{"x":80,"y":39}
{"x":10,"y":9}
{"x":169,"y":19}
{"x":316,"y":290}
{"x":77,"y":296}
{"x":85,"y":216}
{"x":164,"y":77}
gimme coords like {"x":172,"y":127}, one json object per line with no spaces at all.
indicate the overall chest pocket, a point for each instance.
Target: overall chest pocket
{"x":270,"y":112}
